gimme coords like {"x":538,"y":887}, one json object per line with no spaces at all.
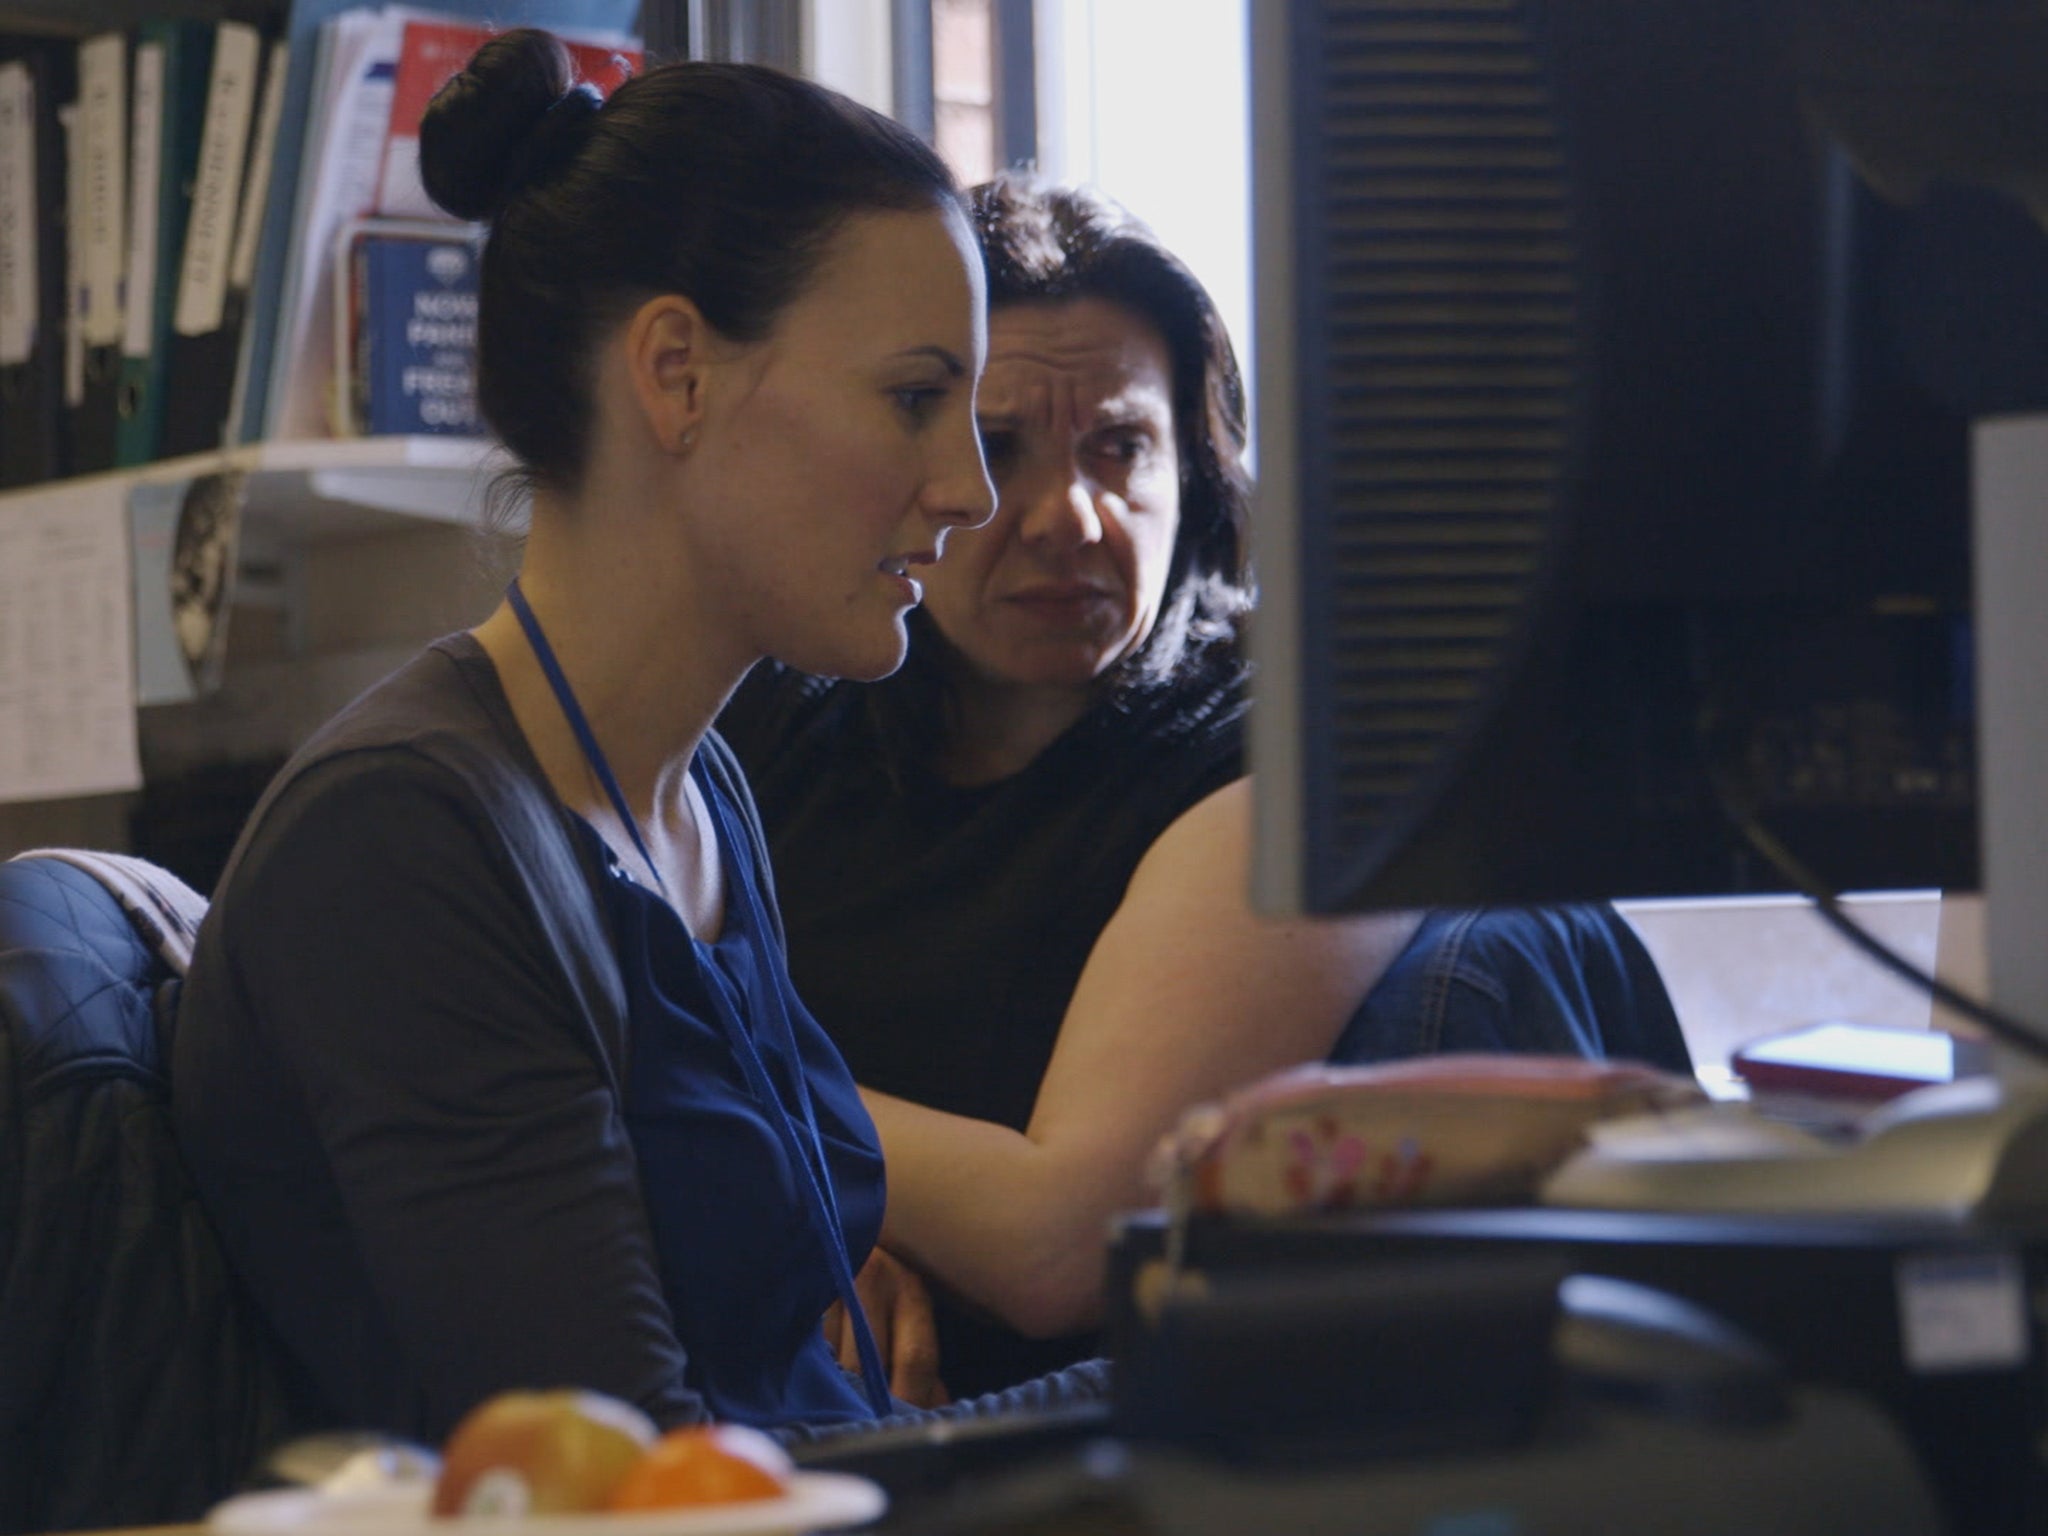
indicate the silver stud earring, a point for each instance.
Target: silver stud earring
{"x":689,"y":439}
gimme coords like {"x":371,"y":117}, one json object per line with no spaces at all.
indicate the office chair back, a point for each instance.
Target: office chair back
{"x":136,"y":1384}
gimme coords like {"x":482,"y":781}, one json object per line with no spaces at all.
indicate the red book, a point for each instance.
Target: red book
{"x":1839,"y":1060}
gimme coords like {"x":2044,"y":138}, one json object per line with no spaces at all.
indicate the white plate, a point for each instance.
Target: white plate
{"x":816,"y":1501}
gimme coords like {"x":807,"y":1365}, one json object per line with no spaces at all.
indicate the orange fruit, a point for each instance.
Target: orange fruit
{"x":705,"y":1464}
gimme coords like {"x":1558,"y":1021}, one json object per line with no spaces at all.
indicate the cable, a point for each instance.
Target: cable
{"x":1788,"y":864}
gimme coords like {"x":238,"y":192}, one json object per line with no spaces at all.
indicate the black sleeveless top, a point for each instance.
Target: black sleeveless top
{"x":905,"y":898}
{"x":937,"y":932}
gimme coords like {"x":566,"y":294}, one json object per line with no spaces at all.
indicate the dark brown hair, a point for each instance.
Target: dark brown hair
{"x":1046,"y":243}
{"x":722,"y":182}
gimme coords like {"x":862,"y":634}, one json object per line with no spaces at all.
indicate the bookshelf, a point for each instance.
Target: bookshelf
{"x":82,"y":18}
{"x":316,"y":491}
{"x":351,"y":552}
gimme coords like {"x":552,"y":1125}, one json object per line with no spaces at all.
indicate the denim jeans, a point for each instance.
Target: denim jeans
{"x":1564,"y":980}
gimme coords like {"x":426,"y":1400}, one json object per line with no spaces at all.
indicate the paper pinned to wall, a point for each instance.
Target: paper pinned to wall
{"x":67,"y":653}
{"x":185,"y":557}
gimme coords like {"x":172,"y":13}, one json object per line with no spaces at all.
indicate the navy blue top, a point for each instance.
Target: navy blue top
{"x":747,"y":1306}
{"x":721,"y":1100}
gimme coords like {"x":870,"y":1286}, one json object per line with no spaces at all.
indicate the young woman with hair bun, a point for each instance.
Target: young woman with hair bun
{"x":489,"y":1067}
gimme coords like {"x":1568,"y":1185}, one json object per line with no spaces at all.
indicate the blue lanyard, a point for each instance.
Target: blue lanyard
{"x":821,"y":1204}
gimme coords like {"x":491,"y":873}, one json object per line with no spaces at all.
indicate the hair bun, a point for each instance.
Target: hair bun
{"x":504,"y":120}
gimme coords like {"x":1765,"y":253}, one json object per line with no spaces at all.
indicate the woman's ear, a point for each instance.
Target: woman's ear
{"x":666,"y":346}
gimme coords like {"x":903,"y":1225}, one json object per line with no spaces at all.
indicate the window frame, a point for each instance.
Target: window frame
{"x":1014,"y":74}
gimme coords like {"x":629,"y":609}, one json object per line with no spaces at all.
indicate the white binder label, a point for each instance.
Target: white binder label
{"x":18,"y":273}
{"x":73,"y":337}
{"x":145,"y":165}
{"x":255,"y":194}
{"x":98,"y":221}
{"x":1962,"y":1311}
{"x":230,"y":99}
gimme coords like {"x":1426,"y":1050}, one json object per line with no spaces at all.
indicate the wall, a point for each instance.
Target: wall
{"x":1741,"y":968}
{"x":846,"y":46}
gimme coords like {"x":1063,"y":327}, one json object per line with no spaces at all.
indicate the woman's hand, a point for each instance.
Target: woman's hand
{"x":899,"y":1310}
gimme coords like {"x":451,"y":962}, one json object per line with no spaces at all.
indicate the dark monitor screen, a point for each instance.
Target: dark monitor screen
{"x":1617,"y":363}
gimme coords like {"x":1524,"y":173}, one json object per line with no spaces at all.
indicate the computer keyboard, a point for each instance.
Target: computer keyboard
{"x":917,"y":1460}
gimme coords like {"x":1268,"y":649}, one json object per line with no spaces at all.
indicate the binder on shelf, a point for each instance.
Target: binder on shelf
{"x":200,"y":366}
{"x":36,"y":78}
{"x":99,"y":247}
{"x":173,"y":61}
{"x":249,"y":223}
{"x":337,"y":181}
{"x":71,"y":371}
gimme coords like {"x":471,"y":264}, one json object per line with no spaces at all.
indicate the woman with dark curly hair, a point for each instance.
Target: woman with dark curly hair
{"x":1015,"y":873}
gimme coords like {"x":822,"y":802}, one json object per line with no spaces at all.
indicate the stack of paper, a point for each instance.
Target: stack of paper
{"x":373,"y":72}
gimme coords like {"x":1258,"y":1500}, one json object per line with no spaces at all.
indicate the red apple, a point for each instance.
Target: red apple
{"x":540,"y":1453}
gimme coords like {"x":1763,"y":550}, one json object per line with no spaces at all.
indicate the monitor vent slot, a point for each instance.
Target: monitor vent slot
{"x":1448,"y":308}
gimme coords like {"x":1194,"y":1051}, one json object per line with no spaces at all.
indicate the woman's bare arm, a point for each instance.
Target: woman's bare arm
{"x":1186,"y":994}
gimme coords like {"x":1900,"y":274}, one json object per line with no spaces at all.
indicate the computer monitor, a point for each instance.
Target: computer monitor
{"x":1617,"y":368}
{"x":1634,"y":380}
